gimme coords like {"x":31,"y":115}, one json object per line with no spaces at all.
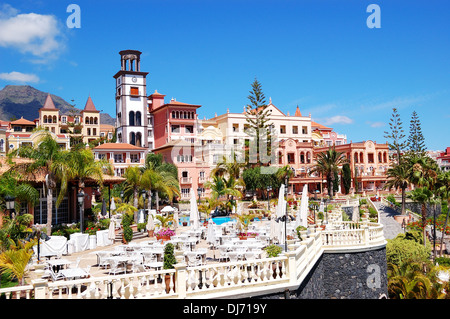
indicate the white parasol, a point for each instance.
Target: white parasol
{"x":150,"y":224}
{"x":112,"y":230}
{"x":194,"y":218}
{"x":303,"y":220}
{"x":175,"y":218}
{"x":168,"y":209}
{"x":211,"y":234}
{"x":280,"y":212}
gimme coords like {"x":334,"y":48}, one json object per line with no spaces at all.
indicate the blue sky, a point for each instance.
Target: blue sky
{"x":319,"y":55}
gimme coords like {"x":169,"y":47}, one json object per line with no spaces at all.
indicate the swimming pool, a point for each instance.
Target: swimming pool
{"x":216,"y":220}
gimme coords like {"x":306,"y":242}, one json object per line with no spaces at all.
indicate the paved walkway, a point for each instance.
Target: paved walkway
{"x":390,"y":226}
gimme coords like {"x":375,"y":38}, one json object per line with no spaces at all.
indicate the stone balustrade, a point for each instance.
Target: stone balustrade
{"x":231,"y":279}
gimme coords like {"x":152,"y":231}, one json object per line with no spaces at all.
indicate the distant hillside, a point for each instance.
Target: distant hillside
{"x":23,"y":100}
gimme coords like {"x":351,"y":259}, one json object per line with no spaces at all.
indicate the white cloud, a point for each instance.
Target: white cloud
{"x":337,"y":119}
{"x":19,"y":77}
{"x":32,"y":33}
{"x":375,"y":124}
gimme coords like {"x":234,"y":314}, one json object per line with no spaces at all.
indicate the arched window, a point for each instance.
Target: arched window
{"x":95,"y":120}
{"x":138,"y":118}
{"x":138,"y":139}
{"x":86,"y":120}
{"x":119,"y":137}
{"x":54,"y":119}
{"x":132,"y":138}
{"x":385,"y":157}
{"x":45,"y":118}
{"x":356,"y":157}
{"x":173,"y":114}
{"x":131,"y":118}
{"x":361,"y":158}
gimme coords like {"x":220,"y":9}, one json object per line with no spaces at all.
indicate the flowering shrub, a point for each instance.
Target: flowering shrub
{"x":165,"y":232}
{"x":248,"y":234}
{"x":91,"y":230}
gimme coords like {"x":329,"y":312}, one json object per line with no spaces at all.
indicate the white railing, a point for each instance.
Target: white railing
{"x":241,"y":278}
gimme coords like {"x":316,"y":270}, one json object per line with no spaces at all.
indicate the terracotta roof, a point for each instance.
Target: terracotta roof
{"x":297,"y":112}
{"x":119,"y":146}
{"x":157,"y":94}
{"x":22,"y":121}
{"x":90,"y":107}
{"x":319,"y":126}
{"x":48,"y":105}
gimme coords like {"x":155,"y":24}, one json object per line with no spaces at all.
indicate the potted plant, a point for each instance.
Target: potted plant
{"x":273,"y":251}
{"x":127,"y":231}
{"x":301,"y":232}
{"x":164,"y":234}
{"x":169,"y":262}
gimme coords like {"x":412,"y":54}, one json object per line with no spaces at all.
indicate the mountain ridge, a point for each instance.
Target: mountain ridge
{"x":18,"y":101}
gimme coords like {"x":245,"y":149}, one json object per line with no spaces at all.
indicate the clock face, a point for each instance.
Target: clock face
{"x":134,"y":79}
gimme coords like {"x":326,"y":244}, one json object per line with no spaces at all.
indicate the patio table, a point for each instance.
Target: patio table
{"x":58,"y":264}
{"x":73,"y":273}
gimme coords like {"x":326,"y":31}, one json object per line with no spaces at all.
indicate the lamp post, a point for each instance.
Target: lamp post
{"x":10,"y":202}
{"x":199,"y":190}
{"x":434,"y":234}
{"x":269,"y":188}
{"x":314,"y":207}
{"x":286,"y":180}
{"x":80,"y":198}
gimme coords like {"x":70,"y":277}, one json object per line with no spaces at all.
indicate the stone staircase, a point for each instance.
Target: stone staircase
{"x":136,"y":235}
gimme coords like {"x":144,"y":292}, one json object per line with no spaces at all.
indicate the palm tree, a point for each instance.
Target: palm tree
{"x":14,"y":261}
{"x":10,"y":185}
{"x":230,"y":168}
{"x":162,"y":177}
{"x":413,"y":281}
{"x":398,"y":178}
{"x":423,"y":196}
{"x":327,"y":164}
{"x":443,"y":188}
{"x":164,"y":220}
{"x":46,"y":157}
{"x":219,"y":187}
{"x":132,"y":183}
{"x":81,"y":165}
{"x":422,"y":171}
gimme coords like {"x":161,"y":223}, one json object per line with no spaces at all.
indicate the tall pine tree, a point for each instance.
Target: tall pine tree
{"x":396,"y":134}
{"x":258,"y":126}
{"x":416,"y":141}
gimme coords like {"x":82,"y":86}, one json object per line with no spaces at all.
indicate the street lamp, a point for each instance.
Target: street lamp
{"x":314,"y":207}
{"x":199,"y":190}
{"x":10,"y":202}
{"x":144,"y":196}
{"x":80,"y":198}
{"x":286,"y":214}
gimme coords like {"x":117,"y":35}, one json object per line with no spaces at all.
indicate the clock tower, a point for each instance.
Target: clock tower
{"x":131,"y":100}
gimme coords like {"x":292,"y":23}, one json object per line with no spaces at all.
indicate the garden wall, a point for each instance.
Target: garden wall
{"x":357,"y":275}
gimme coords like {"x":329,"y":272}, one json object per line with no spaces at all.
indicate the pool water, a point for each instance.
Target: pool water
{"x":216,"y":220}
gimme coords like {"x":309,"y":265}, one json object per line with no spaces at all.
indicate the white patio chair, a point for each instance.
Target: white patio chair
{"x":234,"y":256}
{"x":116,"y":267}
{"x":223,"y":253}
{"x":77,"y":263}
{"x":103,"y":261}
{"x":88,"y":271}
{"x":250,"y":255}
{"x":54,"y":275}
{"x":193,"y":259}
